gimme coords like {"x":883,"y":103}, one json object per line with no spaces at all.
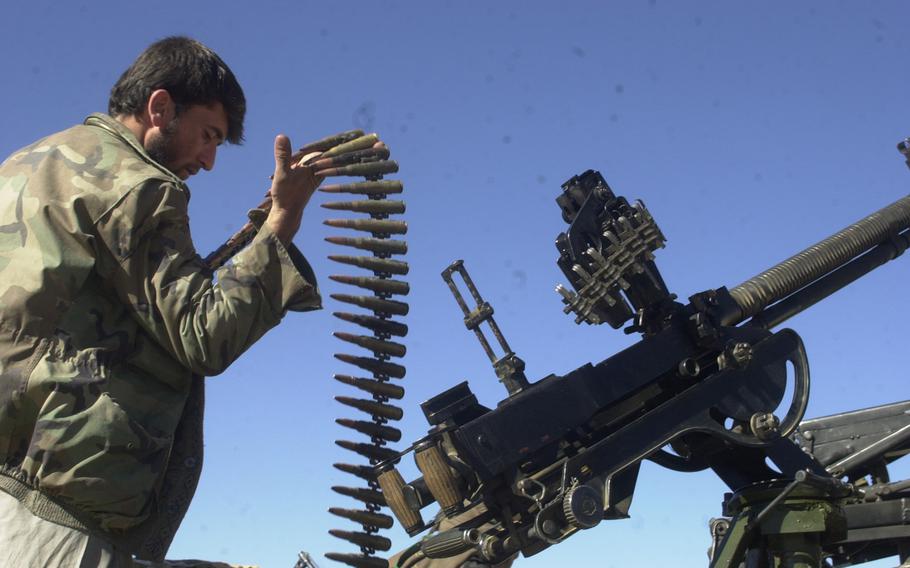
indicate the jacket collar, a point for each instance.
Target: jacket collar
{"x":118,"y":130}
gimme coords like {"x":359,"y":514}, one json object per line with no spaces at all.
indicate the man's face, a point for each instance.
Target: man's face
{"x":189,"y":142}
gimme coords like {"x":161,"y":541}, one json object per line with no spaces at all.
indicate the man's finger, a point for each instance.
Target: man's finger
{"x":282,"y":154}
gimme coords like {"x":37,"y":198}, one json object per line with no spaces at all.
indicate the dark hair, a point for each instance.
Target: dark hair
{"x":192,"y":73}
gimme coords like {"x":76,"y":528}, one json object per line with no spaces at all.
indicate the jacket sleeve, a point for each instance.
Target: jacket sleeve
{"x":204,"y":319}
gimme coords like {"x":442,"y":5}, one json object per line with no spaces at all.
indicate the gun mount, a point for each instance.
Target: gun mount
{"x":703,"y":388}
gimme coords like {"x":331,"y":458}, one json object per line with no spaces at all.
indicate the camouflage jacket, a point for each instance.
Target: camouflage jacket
{"x":107,"y":319}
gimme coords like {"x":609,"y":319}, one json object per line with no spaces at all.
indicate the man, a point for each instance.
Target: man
{"x":109,"y":319}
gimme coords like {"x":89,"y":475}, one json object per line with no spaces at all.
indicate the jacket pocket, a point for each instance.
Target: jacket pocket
{"x":18,"y":358}
{"x":97,"y":459}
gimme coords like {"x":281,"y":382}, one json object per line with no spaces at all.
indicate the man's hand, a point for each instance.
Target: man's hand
{"x":292,"y":187}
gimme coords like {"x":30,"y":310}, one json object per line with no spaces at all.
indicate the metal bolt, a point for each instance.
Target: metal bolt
{"x":736,"y":355}
{"x":742,"y":354}
{"x":588,"y":506}
{"x":765,"y":426}
{"x":688,"y":368}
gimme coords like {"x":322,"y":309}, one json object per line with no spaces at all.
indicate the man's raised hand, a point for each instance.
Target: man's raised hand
{"x":293,"y":183}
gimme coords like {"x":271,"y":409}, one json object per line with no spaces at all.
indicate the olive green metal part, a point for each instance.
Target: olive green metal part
{"x":373,"y":303}
{"x":375,"y":226}
{"x":330,"y":142}
{"x":791,"y":529}
{"x":363,"y":539}
{"x":374,"y":323}
{"x":359,"y":143}
{"x":364,"y":472}
{"x":369,"y":451}
{"x":371,"y":429}
{"x":368,"y":169}
{"x":376,"y":345}
{"x":373,"y":245}
{"x":365,"y":495}
{"x":381,"y":285}
{"x":383,"y":367}
{"x":381,"y":187}
{"x":368,"y":155}
{"x":372,"y":386}
{"x":366,"y":518}
{"x":372,"y":206}
{"x":376,"y":408}
{"x":380,"y":265}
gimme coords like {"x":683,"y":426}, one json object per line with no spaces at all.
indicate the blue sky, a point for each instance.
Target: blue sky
{"x":751,"y":130}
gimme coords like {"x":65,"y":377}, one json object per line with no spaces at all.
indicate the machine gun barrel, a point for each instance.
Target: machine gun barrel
{"x":820,"y":270}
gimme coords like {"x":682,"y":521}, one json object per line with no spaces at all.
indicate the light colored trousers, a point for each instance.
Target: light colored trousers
{"x":27,"y":541}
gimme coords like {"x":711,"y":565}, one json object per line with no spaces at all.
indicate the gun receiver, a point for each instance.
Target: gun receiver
{"x":706,"y":379}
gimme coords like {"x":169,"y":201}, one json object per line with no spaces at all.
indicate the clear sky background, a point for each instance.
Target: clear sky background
{"x":751,"y":130}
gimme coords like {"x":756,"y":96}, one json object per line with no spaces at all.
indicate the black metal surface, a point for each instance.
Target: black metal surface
{"x":695,"y":382}
{"x":449,"y":404}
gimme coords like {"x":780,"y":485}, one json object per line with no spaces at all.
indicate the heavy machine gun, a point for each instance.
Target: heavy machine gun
{"x":701,"y":389}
